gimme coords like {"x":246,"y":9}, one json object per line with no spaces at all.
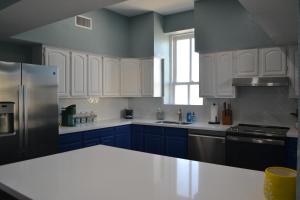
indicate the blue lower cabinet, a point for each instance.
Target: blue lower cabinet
{"x":176,"y":142}
{"x":137,"y":138}
{"x":91,"y":138}
{"x":71,"y":141}
{"x":291,"y":152}
{"x":123,"y":137}
{"x":176,"y":147}
{"x":107,"y":136}
{"x":70,"y":147}
{"x":154,"y":144}
{"x":150,"y":139}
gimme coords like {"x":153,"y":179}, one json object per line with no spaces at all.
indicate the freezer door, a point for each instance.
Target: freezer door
{"x":11,"y":91}
{"x":40,"y":110}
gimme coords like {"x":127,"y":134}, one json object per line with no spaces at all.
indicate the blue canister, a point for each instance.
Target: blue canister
{"x":189,"y":117}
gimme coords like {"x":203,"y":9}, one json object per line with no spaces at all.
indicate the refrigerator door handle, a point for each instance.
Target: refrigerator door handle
{"x":25,"y":115}
{"x":20,"y":116}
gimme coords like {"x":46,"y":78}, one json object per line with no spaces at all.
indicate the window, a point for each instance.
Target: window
{"x":185,"y":71}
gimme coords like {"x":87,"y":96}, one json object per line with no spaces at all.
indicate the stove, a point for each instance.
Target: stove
{"x":258,"y":131}
{"x":255,"y":147}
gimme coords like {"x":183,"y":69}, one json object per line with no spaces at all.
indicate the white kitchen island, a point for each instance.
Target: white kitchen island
{"x":107,"y":173}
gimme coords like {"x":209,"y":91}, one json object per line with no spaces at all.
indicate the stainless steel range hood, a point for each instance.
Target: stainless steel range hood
{"x":261,"y":81}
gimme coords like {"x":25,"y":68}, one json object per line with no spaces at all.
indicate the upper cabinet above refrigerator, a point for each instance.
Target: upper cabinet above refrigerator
{"x":61,"y":59}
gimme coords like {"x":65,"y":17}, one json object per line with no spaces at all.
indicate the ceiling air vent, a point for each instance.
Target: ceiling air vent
{"x":83,"y":22}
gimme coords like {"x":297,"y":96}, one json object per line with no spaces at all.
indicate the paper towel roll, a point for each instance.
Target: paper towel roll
{"x":214,"y":113}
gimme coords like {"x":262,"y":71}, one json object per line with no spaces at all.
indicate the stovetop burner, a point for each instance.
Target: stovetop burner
{"x":257,"y":130}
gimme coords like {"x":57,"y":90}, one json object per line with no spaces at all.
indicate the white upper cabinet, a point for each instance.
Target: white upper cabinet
{"x":246,"y":63}
{"x":79,"y":74}
{"x":61,"y":59}
{"x":293,"y":71}
{"x":95,"y":68}
{"x":207,"y":75}
{"x":224,"y":64}
{"x":130,"y":77}
{"x":273,"y":61}
{"x":151,"y":77}
{"x":111,"y":77}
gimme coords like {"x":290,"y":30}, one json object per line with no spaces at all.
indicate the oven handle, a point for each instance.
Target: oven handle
{"x":256,"y":140}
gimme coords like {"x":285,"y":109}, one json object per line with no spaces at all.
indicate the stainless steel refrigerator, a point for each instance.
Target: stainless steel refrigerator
{"x":28,"y":111}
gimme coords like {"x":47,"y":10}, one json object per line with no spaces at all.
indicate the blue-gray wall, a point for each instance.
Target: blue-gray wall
{"x":109,"y":35}
{"x":12,"y":52}
{"x":179,"y":21}
{"x":141,"y":35}
{"x":225,"y":25}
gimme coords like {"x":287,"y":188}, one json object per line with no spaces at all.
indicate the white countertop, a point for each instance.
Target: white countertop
{"x":109,"y":173}
{"x":293,"y":132}
{"x":119,"y":122}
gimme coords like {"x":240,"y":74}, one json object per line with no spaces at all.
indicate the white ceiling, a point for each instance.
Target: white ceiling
{"x":164,"y":7}
{"x":29,"y":14}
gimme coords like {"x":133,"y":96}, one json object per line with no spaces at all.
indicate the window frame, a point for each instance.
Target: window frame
{"x":173,"y":73}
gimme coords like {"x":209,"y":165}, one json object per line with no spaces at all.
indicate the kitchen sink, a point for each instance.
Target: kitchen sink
{"x":173,"y":122}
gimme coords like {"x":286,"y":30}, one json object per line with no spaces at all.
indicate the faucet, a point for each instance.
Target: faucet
{"x":179,"y":115}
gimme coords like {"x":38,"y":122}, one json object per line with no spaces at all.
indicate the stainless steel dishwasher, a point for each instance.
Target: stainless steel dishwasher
{"x":206,"y":146}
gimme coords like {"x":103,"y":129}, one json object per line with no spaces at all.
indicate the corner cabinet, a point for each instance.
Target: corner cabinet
{"x":61,"y":59}
{"x":79,"y":74}
{"x":95,"y":67}
{"x":152,"y":77}
{"x":216,"y":75}
{"x":111,"y":77}
{"x":130,"y":77}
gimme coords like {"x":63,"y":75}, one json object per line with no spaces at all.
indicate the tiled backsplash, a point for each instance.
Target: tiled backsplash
{"x":106,"y":108}
{"x":259,"y":105}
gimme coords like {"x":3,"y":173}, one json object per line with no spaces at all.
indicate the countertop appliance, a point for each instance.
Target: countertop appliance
{"x":28,"y":111}
{"x":68,"y":116}
{"x":255,"y":147}
{"x":206,"y":146}
{"x":128,"y":114}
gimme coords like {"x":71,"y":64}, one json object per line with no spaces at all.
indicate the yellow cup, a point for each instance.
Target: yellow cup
{"x":280,"y":183}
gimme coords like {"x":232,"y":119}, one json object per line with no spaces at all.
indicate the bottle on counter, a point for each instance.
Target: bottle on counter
{"x":189,"y":117}
{"x":194,"y":118}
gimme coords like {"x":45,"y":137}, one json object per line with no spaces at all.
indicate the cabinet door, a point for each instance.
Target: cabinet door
{"x":123,"y":136}
{"x":137,"y":139}
{"x":207,"y":75}
{"x":273,"y":61}
{"x":79,"y":74}
{"x":291,"y":152}
{"x":130,"y":78}
{"x":147,"y":77}
{"x":111,"y":77}
{"x":246,"y":63}
{"x":293,"y":71}
{"x":61,"y":59}
{"x":154,"y":144}
{"x":94,"y":75}
{"x":176,"y":147}
{"x":224,"y":63}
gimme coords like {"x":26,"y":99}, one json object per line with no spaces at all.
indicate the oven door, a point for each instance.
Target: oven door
{"x":254,"y":153}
